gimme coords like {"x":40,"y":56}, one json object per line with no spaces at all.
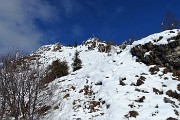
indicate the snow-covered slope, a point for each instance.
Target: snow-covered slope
{"x":110,"y":87}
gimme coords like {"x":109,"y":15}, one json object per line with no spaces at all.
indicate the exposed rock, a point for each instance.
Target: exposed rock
{"x":158,"y":92}
{"x":166,"y":55}
{"x":132,"y":114}
{"x":166,"y":70}
{"x":178,"y":87}
{"x":140,"y":81}
{"x":92,"y":105}
{"x":121,"y":83}
{"x":176,"y":112}
{"x":170,"y":118}
{"x":102,"y":46}
{"x":99,"y":83}
{"x":173,"y":94}
{"x":66,"y":96}
{"x":139,"y":90}
{"x":167,"y":100}
{"x":176,"y":73}
{"x":107,"y":106}
{"x":140,"y":100}
{"x":154,"y":70}
{"x":87,"y":90}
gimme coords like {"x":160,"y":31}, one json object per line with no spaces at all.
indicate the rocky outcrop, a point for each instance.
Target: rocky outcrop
{"x":165,"y":55}
{"x":94,"y":43}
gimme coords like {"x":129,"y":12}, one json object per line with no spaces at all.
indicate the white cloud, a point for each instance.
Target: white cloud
{"x":17,"y":23}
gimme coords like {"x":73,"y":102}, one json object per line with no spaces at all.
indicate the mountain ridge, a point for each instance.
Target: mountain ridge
{"x":113,"y":86}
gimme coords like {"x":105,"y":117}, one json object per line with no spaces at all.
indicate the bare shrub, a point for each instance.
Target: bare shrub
{"x":19,"y":86}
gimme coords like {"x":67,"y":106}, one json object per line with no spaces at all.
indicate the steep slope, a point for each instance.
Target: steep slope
{"x":111,"y":86}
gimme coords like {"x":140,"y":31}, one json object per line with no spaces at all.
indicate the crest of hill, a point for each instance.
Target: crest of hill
{"x":164,"y":37}
{"x":90,"y":44}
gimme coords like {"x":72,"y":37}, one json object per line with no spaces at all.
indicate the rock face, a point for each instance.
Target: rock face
{"x":165,"y":55}
{"x":94,"y":43}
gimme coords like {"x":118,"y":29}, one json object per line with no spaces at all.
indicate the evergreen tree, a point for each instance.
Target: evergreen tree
{"x":77,"y":63}
{"x":75,"y":44}
{"x":69,"y":45}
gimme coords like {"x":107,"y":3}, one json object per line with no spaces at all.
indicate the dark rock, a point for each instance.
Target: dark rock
{"x":142,"y":78}
{"x":162,"y":48}
{"x":138,"y":90}
{"x":160,"y":37}
{"x":133,"y":113}
{"x":147,"y":59}
{"x":158,"y":92}
{"x":121,"y":83}
{"x":140,"y":81}
{"x":166,"y":70}
{"x":170,"y":118}
{"x":99,"y":83}
{"x":158,"y":61}
{"x":107,"y":106}
{"x":163,"y":55}
{"x":140,"y":100}
{"x":176,"y":73}
{"x":154,"y":70}
{"x":149,"y":46}
{"x":173,"y":44}
{"x":66,"y":96}
{"x":173,"y":94}
{"x":172,"y":32}
{"x":178,"y":87}
{"x":167,"y":100}
{"x":136,"y":76}
{"x":138,"y":51}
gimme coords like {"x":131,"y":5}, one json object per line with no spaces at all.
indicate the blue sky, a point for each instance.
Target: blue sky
{"x":29,"y":24}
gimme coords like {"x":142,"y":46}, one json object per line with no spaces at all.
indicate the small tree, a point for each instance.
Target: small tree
{"x":77,"y":63}
{"x":75,"y":44}
{"x":170,"y":22}
{"x":69,"y":45}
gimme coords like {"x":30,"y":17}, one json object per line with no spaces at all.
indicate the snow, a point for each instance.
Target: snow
{"x":155,"y":38}
{"x":147,"y":53}
{"x":99,"y":67}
